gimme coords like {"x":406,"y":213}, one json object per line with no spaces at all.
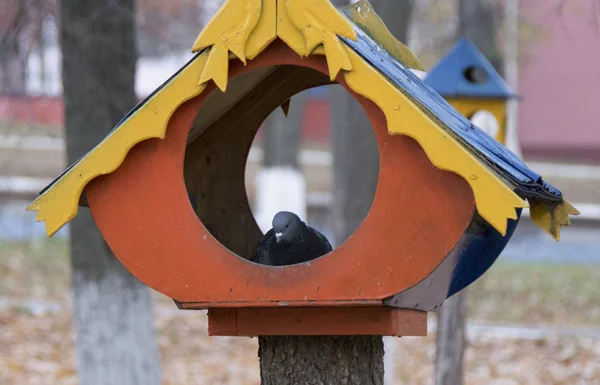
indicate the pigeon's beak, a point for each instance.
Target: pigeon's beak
{"x":278,"y":237}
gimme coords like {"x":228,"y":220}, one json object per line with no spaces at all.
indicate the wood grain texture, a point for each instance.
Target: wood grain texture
{"x":282,"y":321}
{"x":321,"y":360}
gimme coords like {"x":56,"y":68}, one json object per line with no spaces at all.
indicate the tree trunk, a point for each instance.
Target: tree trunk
{"x":13,"y":49}
{"x":511,"y":72}
{"x":451,"y":340}
{"x":280,"y":185}
{"x":116,"y":341}
{"x":350,"y":360}
{"x":281,"y":140}
{"x":478,"y":20}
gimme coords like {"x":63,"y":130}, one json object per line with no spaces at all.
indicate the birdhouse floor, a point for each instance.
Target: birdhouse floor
{"x":367,"y":320}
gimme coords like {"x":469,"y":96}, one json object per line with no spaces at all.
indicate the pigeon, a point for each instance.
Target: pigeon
{"x":289,"y":242}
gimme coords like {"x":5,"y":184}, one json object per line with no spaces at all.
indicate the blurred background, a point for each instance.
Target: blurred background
{"x":533,"y":319}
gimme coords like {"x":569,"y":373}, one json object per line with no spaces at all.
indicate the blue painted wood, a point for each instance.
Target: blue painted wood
{"x":485,"y":244}
{"x":505,"y":163}
{"x":449,"y":80}
{"x":474,"y":253}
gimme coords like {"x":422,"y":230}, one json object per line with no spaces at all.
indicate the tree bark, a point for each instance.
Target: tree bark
{"x":280,"y":183}
{"x":15,"y":45}
{"x":451,"y":341}
{"x":282,"y":136}
{"x":478,"y":20}
{"x":116,"y":341}
{"x":511,"y":72}
{"x":351,"y":360}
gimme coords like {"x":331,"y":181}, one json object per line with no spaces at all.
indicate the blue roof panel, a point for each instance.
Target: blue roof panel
{"x":449,"y":77}
{"x":501,"y":160}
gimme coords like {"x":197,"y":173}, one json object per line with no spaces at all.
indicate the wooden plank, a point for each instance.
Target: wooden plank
{"x":371,"y":320}
{"x":277,"y":304}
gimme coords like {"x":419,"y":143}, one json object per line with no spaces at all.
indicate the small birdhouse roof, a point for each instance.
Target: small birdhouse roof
{"x":465,"y":72}
{"x":359,"y":49}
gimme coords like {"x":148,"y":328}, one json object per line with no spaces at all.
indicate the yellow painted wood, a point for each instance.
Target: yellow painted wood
{"x":288,"y":32}
{"x":551,"y":218}
{"x":59,"y":204}
{"x":229,"y":31}
{"x":265,"y":31}
{"x":495,"y":201}
{"x":364,"y":16}
{"x":319,"y":23}
{"x":231,"y":26}
{"x":217,"y":67}
{"x":469,"y":106}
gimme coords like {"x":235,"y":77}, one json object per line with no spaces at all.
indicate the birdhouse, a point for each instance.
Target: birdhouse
{"x":470,"y":83}
{"x":166,"y":186}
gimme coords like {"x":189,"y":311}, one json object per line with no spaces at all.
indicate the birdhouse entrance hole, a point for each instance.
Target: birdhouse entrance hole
{"x":225,"y":151}
{"x":487,"y":121}
{"x":475,"y":74}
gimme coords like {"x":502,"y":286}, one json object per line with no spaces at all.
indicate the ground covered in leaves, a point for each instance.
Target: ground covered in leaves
{"x":37,"y":338}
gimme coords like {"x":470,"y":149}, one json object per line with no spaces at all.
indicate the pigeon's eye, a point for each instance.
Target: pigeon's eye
{"x":288,"y":225}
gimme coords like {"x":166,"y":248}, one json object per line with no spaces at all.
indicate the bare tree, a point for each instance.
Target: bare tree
{"x":116,"y":341}
{"x":478,"y":21}
{"x":21,"y":27}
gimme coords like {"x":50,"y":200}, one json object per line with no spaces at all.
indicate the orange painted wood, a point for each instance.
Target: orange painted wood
{"x":299,"y":303}
{"x":143,"y":211}
{"x":322,"y":321}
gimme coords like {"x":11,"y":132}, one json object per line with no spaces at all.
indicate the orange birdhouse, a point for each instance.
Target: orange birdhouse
{"x":447,"y":201}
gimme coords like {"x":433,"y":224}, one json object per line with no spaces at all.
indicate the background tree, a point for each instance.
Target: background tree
{"x":478,"y":21}
{"x":21,"y":29}
{"x":116,"y":342}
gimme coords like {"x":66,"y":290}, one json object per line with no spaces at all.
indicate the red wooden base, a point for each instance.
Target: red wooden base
{"x":368,"y":320}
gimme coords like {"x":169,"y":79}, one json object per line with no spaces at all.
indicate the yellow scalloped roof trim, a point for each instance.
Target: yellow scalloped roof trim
{"x":551,"y":218}
{"x":364,"y":16}
{"x":245,"y":28}
{"x":59,"y":204}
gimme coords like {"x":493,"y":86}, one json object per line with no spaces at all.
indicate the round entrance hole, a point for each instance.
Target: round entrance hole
{"x":240,"y":164}
{"x":486,"y":121}
{"x":475,"y":75}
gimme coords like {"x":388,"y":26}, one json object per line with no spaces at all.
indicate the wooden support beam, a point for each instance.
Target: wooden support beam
{"x":367,"y":320}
